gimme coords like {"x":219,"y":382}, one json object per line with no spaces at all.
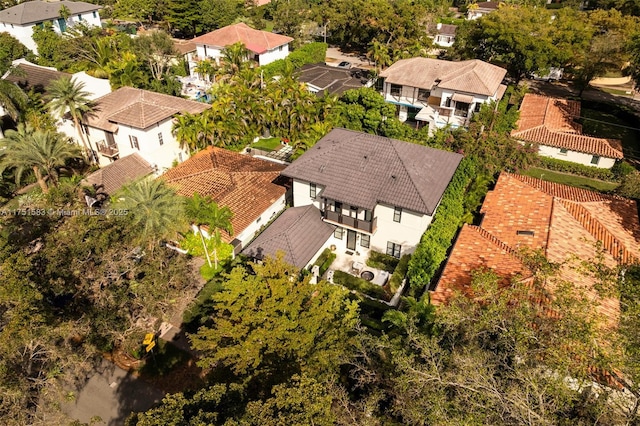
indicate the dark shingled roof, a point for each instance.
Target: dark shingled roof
{"x":299,"y":232}
{"x":363,"y":170}
{"x":34,"y":77}
{"x":30,"y":12}
{"x":117,"y":174}
{"x":332,"y":80}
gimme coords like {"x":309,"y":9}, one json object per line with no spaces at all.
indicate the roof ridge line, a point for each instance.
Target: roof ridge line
{"x":408,"y":174}
{"x":495,"y":240}
{"x":580,"y":214}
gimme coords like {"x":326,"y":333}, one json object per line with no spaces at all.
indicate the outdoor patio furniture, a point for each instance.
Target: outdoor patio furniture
{"x":356,"y":267}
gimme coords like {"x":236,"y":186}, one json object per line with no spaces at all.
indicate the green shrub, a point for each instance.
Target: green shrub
{"x":359,"y":285}
{"x":433,"y":246}
{"x":576,"y":169}
{"x":325,"y":260}
{"x":311,"y":53}
{"x":621,"y":169}
{"x":382,"y":261}
{"x":399,"y":273}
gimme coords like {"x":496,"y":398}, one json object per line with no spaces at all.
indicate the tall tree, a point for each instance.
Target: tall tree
{"x":10,"y":49}
{"x":203,"y":211}
{"x":185,"y":131}
{"x":154,"y":209}
{"x":156,"y":51}
{"x":68,"y":95}
{"x":12,"y":99}
{"x":39,"y":151}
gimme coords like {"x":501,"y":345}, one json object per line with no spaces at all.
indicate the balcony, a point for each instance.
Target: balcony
{"x":107,"y":150}
{"x":351,"y":222}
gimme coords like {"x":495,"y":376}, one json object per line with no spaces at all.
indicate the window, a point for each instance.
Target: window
{"x":280,"y":48}
{"x":85,"y":129}
{"x":312,"y":190}
{"x":95,"y":14}
{"x":80,"y":18}
{"x":423,"y":94}
{"x":160,"y":138}
{"x":367,"y":215}
{"x":338,"y":233}
{"x":447,"y":102}
{"x":397,"y":214}
{"x":595,"y":159}
{"x":477,"y":107}
{"x":395,"y":90}
{"x":365,"y":240}
{"x":353,"y":211}
{"x":133,"y":140}
{"x":563,"y":151}
{"x":337,"y":207}
{"x":393,"y":249}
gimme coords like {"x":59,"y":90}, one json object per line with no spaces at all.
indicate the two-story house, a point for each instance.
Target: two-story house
{"x":445,"y":35}
{"x":20,"y":20}
{"x":441,"y":93}
{"x":380,"y":194}
{"x":478,"y":10}
{"x":264,"y":47}
{"x":134,"y":120}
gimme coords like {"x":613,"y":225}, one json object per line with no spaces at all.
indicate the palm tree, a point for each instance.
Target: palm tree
{"x":206,"y":69}
{"x":203,"y":211}
{"x":154,"y":208}
{"x":67,"y":94}
{"x":185,"y":131}
{"x":43,"y":152}
{"x":379,"y":53}
{"x":12,"y":99}
{"x":234,"y":58}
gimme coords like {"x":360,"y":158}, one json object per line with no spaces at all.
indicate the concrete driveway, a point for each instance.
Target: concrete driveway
{"x":111,"y":395}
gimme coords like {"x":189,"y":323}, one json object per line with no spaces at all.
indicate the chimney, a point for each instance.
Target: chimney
{"x":439,"y":26}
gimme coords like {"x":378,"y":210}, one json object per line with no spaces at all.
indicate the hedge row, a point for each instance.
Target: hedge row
{"x":325,"y":260}
{"x":399,"y":273}
{"x":576,"y":169}
{"x":433,"y":246}
{"x":359,"y":285}
{"x":311,"y":53}
{"x":382,"y":261}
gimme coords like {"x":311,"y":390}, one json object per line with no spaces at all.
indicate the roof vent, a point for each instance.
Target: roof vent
{"x":528,"y":233}
{"x":393,"y":176}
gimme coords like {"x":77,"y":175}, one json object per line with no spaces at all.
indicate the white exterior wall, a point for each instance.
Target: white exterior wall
{"x":407,"y":233}
{"x":24,"y":33}
{"x":205,"y":51}
{"x":250,"y":231}
{"x":444,"y":40}
{"x":272,"y":55}
{"x":575,"y":157}
{"x":301,"y":194}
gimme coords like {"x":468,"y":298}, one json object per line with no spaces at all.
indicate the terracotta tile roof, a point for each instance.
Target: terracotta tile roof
{"x":492,"y":5}
{"x":117,"y":174}
{"x":476,"y":248}
{"x":568,"y":224}
{"x":35,"y":77}
{"x":473,"y":76}
{"x":299,"y":231}
{"x":255,"y":40}
{"x":364,"y":170}
{"x":550,"y":121}
{"x":240,"y":182}
{"x":138,"y":108}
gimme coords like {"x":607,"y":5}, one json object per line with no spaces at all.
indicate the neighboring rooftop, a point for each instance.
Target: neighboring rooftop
{"x":138,"y":108}
{"x":551,"y":121}
{"x":445,"y":29}
{"x":364,"y":169}
{"x":34,"y":77}
{"x":244,"y":184}
{"x":184,"y":46}
{"x":488,"y":5}
{"x":299,"y":232}
{"x":567,"y":224}
{"x":472,"y":76}
{"x":322,"y":78}
{"x":117,"y":174}
{"x":32,"y":12}
{"x":255,"y":40}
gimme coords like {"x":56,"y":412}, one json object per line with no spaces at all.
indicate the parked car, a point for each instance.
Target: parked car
{"x":344,"y":64}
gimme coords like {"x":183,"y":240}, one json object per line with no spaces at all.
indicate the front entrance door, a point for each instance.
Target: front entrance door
{"x":351,"y":240}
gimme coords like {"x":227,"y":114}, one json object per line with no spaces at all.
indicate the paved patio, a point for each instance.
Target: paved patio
{"x":357,"y":261}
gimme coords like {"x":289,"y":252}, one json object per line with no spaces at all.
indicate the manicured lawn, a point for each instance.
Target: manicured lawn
{"x":573,"y":180}
{"x":269,"y":144}
{"x":605,"y":121}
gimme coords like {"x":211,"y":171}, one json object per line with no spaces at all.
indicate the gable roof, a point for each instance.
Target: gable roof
{"x":36,"y":77}
{"x":473,"y":76}
{"x":117,"y":174}
{"x":240,"y":182}
{"x":299,"y":232}
{"x":567,"y":223}
{"x":138,"y":108}
{"x":255,"y":40}
{"x":363,"y":170}
{"x":30,"y":12}
{"x":446,"y":29}
{"x":332,"y":80}
{"x":550,"y":121}
{"x":490,"y":5}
